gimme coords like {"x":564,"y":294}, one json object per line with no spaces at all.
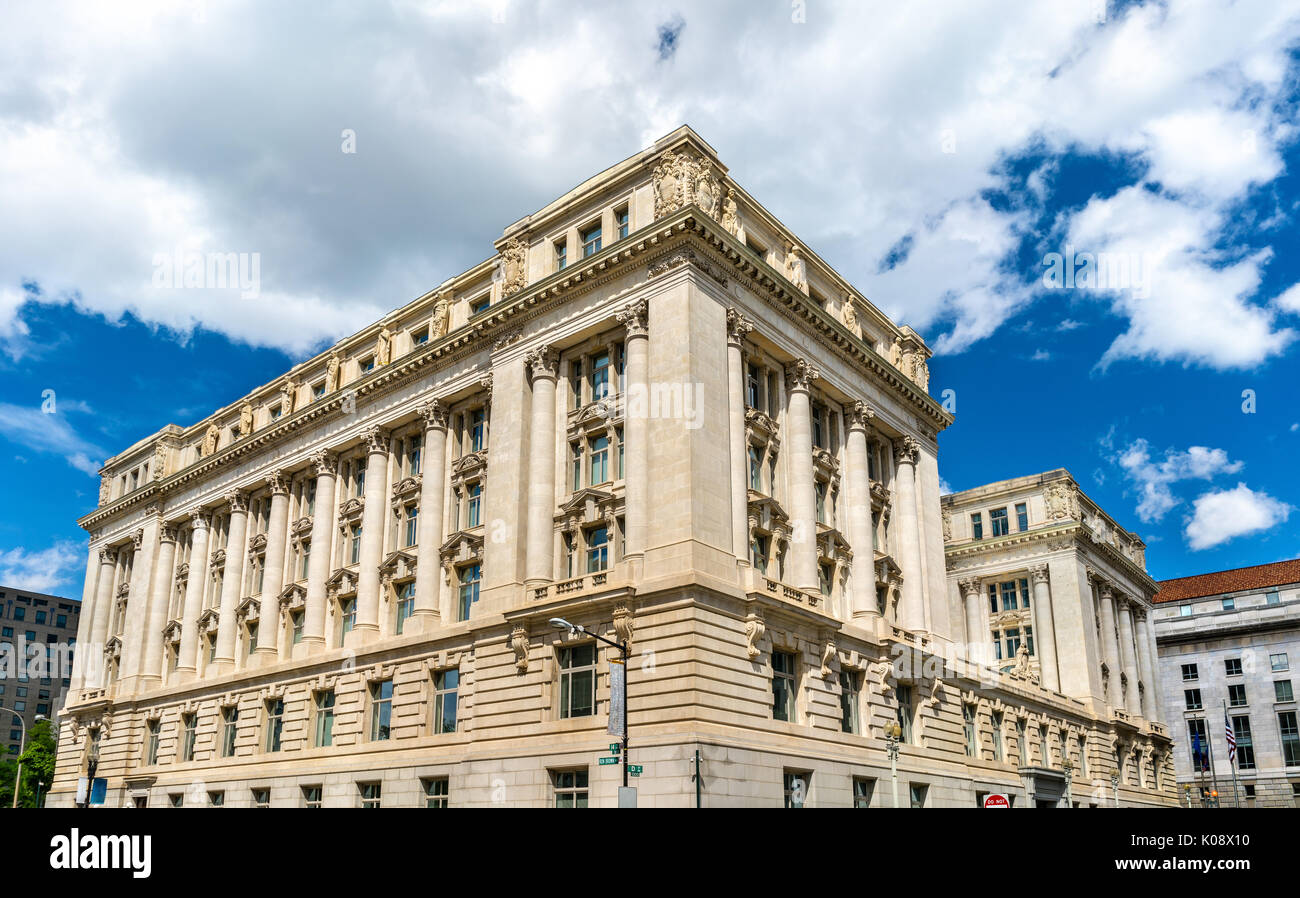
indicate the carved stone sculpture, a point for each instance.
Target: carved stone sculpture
{"x":796,"y":271}
{"x":245,"y":419}
{"x":384,"y":347}
{"x":441,"y":315}
{"x":210,"y":440}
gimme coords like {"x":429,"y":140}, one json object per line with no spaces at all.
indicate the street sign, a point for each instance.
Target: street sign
{"x":605,"y":762}
{"x":634,"y":769}
{"x":996,"y":800}
{"x":615,"y":748}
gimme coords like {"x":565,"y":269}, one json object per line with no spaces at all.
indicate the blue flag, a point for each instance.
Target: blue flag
{"x":1196,"y":751}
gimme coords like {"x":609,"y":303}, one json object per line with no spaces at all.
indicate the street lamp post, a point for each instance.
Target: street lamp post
{"x":892,"y":734}
{"x":560,"y":623}
{"x":22,"y":746}
{"x":1114,"y":786}
{"x":1069,"y":778}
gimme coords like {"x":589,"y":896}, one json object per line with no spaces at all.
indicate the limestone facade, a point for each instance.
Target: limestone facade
{"x":653,"y":412}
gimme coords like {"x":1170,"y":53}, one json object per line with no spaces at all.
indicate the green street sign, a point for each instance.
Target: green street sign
{"x":634,"y":769}
{"x":614,"y":748}
{"x":607,"y":761}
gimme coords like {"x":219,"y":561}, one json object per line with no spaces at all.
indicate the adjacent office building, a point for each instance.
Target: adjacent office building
{"x":38,"y":634}
{"x":1229,"y":644}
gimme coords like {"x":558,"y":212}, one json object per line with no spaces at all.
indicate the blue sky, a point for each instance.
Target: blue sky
{"x":937,"y":163}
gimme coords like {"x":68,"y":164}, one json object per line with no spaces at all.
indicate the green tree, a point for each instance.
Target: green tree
{"x":38,"y":767}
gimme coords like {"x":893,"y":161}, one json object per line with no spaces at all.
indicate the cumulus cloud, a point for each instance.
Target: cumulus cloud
{"x":1154,"y":478}
{"x":129,"y":130}
{"x":33,"y":429}
{"x":44,"y":570}
{"x":1221,"y":515}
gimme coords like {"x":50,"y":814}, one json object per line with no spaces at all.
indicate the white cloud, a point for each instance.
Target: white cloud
{"x":29,"y":427}
{"x":1153,"y":479}
{"x":465,"y":124}
{"x":46,"y":570}
{"x":1221,"y":515}
{"x":1041,"y":355}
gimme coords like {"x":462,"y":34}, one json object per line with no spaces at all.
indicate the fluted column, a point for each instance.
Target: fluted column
{"x":1108,"y":644}
{"x":372,"y":534}
{"x":432,"y":491}
{"x":977,"y":639}
{"x":93,"y":666}
{"x":1155,"y":709}
{"x":85,"y":620}
{"x":187,"y":663}
{"x":539,"y":563}
{"x":738,"y":326}
{"x":1127,"y":656}
{"x":636,"y":427}
{"x":1046,"y":635}
{"x":277,"y":539}
{"x":911,"y":613}
{"x":1146,"y":664}
{"x":322,"y":544}
{"x":160,"y":592}
{"x":232,"y":580}
{"x":803,"y":492}
{"x":862,"y":582}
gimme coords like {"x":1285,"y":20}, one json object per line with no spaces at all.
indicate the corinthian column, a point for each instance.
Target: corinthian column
{"x":1046,"y":641}
{"x":911,"y":614}
{"x":1127,"y":656}
{"x":636,"y":427}
{"x":277,"y":537}
{"x":85,"y":620}
{"x":1108,"y":644}
{"x":1155,"y":709}
{"x":977,"y":638}
{"x":93,"y":666}
{"x":187,"y":663}
{"x":432,"y":486}
{"x":322,"y":544}
{"x":160,"y":592}
{"x":232,"y":580}
{"x":538,"y":563}
{"x":737,"y":327}
{"x":799,"y":376}
{"x":1146,"y":665}
{"x":372,"y":535}
{"x":862,"y":582}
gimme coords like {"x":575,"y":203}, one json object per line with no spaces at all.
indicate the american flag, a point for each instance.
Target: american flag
{"x":1231,"y":737}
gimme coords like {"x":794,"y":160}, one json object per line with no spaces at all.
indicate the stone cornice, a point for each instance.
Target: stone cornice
{"x":526,"y":304}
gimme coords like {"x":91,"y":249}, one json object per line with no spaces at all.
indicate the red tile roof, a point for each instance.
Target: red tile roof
{"x":1260,"y":576}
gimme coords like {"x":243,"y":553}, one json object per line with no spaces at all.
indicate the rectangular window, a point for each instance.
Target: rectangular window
{"x":1282,"y":691}
{"x":783,"y":686}
{"x":261,"y":798}
{"x":356,"y":544}
{"x":1279,"y":662}
{"x":477,"y":430}
{"x":372,"y":795}
{"x":599,"y":460}
{"x":1193,"y":699}
{"x":1232,"y":667}
{"x":561,"y":255}
{"x":1245,"y":746}
{"x":274,"y":723}
{"x":297,"y":619}
{"x":795,"y":784}
{"x":475,"y":505}
{"x":437,"y":791}
{"x":998,"y":521}
{"x":216,"y":799}
{"x":189,"y":729}
{"x":597,"y":549}
{"x":1286,"y":725}
{"x":755,"y":470}
{"x":997,"y":736}
{"x":968,"y":730}
{"x":480,"y":305}
{"x":976,"y":526}
{"x":469,"y":583}
{"x":621,"y":221}
{"x":1022,"y":517}
{"x":229,"y":729}
{"x":445,"y":685}
{"x":758,"y":549}
{"x":600,"y":376}
{"x":348,"y":618}
{"x":578,"y":680}
{"x":1189,"y":672}
{"x":1009,"y":595}
{"x":570,"y":788}
{"x":323,"y":735}
{"x":904,"y":694}
{"x":151,"y":741}
{"x":311,"y":797}
{"x":1271,"y":597}
{"x":405,"y":606}
{"x":1022,"y":743}
{"x":1237,"y":695}
{"x":1184,"y":610}
{"x":850,"y":688}
{"x":575,"y":461}
{"x":862,"y":790}
{"x":917,"y":792}
{"x":412,"y":525}
{"x":381,"y":710}
{"x":1229,"y":604}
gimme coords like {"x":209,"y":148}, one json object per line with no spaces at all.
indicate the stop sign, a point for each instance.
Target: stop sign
{"x":996,"y":800}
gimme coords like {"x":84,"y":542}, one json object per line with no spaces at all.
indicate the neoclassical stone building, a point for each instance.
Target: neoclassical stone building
{"x":651,"y":412}
{"x":1055,"y":596}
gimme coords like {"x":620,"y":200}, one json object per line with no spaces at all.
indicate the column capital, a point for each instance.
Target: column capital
{"x":434,"y":414}
{"x":137,"y":539}
{"x":325,"y":462}
{"x":971,"y":587}
{"x":738,"y":326}
{"x":107,"y":555}
{"x":1038,"y":573}
{"x":167,"y":532}
{"x":635,"y":318}
{"x":542,"y":362}
{"x":907,"y":450}
{"x":800,"y":374}
{"x":375,"y":438}
{"x":279,"y":482}
{"x":238,"y":500}
{"x":1106,"y":590}
{"x":200,"y":519}
{"x":859,"y":415}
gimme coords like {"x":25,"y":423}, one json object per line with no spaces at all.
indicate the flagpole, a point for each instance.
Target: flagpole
{"x":1236,"y":797}
{"x":1214,"y":773}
